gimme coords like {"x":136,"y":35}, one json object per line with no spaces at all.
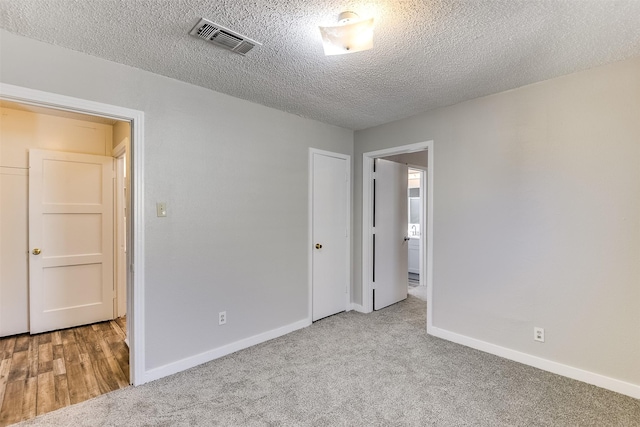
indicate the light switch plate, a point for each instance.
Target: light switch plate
{"x":161,"y":209}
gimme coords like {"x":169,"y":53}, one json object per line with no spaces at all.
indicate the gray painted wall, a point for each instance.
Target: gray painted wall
{"x":537,"y":216}
{"x":234,"y":177}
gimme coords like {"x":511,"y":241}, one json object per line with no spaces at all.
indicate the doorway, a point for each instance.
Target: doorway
{"x":135,"y":254}
{"x":416,"y":192}
{"x":368,"y":243}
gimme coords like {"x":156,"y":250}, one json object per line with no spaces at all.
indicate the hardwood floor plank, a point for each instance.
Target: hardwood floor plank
{"x":122,"y":322}
{"x":5,"y":367}
{"x":88,"y":342}
{"x":105,"y":377}
{"x":19,"y":367}
{"x":61,"y":387}
{"x":11,"y":411}
{"x":77,"y":386}
{"x":121,"y":352}
{"x":104,"y":330}
{"x":121,"y":334}
{"x":8,"y":344}
{"x":58,"y":359}
{"x":33,"y":357}
{"x":81,"y":342}
{"x":56,"y":338}
{"x":46,"y":393}
{"x":59,"y":367}
{"x":112,"y":329}
{"x":57,"y":350}
{"x":106,"y":349}
{"x":120,"y":327}
{"x":29,"y":402}
{"x":118,"y":374}
{"x":45,"y":358}
{"x":22,"y":343}
{"x":71,"y":353}
{"x":89,"y":376}
{"x":44,"y":338}
{"x":68,"y":336}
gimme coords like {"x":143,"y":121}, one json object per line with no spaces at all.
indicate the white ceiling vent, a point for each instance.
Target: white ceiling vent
{"x":217,"y":34}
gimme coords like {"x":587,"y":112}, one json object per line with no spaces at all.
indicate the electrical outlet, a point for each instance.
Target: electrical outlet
{"x":538,"y":334}
{"x":222,"y":318}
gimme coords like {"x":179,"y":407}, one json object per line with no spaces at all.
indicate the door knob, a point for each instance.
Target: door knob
{"x":318,"y":246}
{"x":407,"y":238}
{"x":36,"y":251}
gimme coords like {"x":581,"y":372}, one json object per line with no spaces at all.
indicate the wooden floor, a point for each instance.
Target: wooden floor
{"x":44,"y":372}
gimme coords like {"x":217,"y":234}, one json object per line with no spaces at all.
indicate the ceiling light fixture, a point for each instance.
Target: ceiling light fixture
{"x":352,"y":34}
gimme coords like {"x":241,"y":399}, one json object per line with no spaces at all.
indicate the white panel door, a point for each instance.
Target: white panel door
{"x":70,"y":239}
{"x":391,"y":226}
{"x":330,"y":216}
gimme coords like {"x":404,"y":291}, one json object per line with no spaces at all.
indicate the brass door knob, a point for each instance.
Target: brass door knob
{"x":318,"y":246}
{"x":36,"y":251}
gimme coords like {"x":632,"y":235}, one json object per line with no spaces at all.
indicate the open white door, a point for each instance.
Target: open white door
{"x":70,"y":239}
{"x":330,"y":218}
{"x":390,"y":233}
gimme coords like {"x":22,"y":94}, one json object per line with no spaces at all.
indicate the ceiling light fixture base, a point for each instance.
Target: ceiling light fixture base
{"x":352,"y":34}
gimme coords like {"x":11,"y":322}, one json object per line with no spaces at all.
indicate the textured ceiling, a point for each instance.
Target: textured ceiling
{"x":426,"y":54}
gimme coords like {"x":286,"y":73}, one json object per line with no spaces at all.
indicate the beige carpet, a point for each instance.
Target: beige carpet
{"x":352,"y":369}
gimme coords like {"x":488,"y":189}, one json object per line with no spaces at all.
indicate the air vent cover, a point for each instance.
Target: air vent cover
{"x":224,"y":37}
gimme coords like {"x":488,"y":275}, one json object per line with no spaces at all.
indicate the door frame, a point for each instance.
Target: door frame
{"x":367,"y":224}
{"x":423,"y":191}
{"x":348,"y":305}
{"x":120,"y":153}
{"x":135,"y":279}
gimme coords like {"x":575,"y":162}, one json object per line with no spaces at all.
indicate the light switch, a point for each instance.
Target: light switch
{"x":161,"y":208}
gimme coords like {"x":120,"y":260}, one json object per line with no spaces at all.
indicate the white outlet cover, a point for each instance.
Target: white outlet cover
{"x":538,"y":334}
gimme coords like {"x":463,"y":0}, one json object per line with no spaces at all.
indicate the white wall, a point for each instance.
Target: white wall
{"x":537,"y":217}
{"x":21,"y":131}
{"x":234,"y":177}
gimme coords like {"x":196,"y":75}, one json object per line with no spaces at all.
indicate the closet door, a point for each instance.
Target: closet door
{"x":70,"y":239}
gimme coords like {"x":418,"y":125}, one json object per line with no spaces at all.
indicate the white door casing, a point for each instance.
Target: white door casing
{"x":390,"y":233}
{"x":121,"y":198}
{"x":120,"y":308}
{"x":330,"y":218}
{"x":71,"y":223}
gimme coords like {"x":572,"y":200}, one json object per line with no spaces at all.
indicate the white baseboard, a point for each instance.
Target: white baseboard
{"x":199,"y":359}
{"x":622,"y":387}
{"x":357,"y":307}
